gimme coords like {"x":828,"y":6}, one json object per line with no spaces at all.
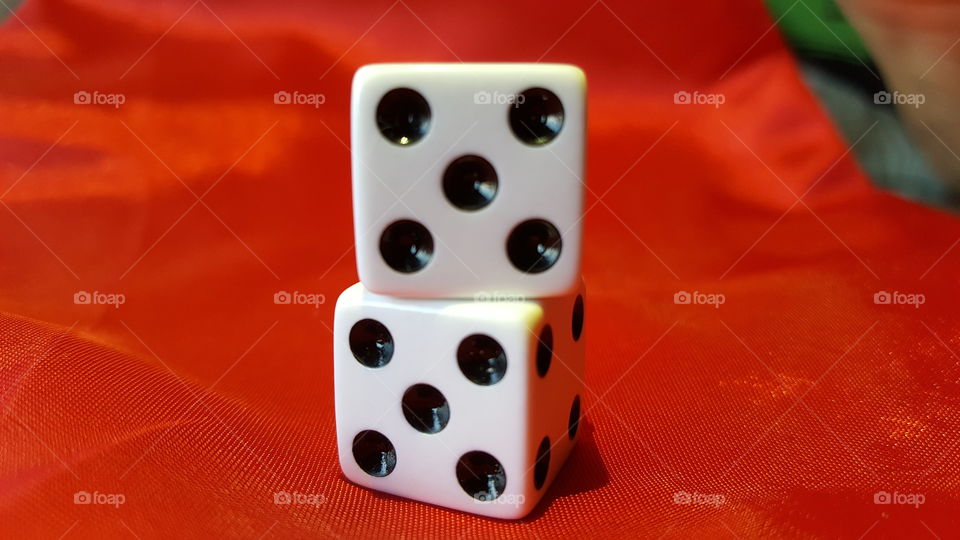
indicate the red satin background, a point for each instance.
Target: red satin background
{"x":197,"y":399}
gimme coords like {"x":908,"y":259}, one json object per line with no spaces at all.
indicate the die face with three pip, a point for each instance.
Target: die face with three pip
{"x":468,"y":178}
{"x":469,"y":405}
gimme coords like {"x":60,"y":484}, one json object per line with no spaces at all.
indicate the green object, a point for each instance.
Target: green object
{"x":818,"y":29}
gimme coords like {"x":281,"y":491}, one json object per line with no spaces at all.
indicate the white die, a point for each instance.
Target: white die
{"x":420,"y":398}
{"x":413,"y":180}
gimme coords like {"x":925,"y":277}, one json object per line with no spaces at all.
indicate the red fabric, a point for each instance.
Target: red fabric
{"x":197,"y":399}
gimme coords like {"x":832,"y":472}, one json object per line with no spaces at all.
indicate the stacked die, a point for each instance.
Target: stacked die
{"x":459,"y":357}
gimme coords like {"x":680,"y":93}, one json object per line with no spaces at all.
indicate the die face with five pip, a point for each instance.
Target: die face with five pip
{"x":470,"y":405}
{"x":468,"y":178}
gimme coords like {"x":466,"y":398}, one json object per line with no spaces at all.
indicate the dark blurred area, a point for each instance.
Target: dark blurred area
{"x":887,"y":73}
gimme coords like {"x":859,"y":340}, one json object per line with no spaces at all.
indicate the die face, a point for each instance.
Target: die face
{"x":488,"y":411}
{"x":556,"y":389}
{"x":503,"y":213}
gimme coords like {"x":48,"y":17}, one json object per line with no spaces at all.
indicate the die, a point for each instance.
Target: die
{"x":470,"y":405}
{"x":468,"y":178}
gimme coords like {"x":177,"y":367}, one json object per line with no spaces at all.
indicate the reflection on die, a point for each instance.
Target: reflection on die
{"x":468,"y":178}
{"x":471,"y":405}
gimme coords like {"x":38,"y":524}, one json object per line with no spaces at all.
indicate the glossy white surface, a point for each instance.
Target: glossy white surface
{"x":507,"y":419}
{"x":393,"y":182}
